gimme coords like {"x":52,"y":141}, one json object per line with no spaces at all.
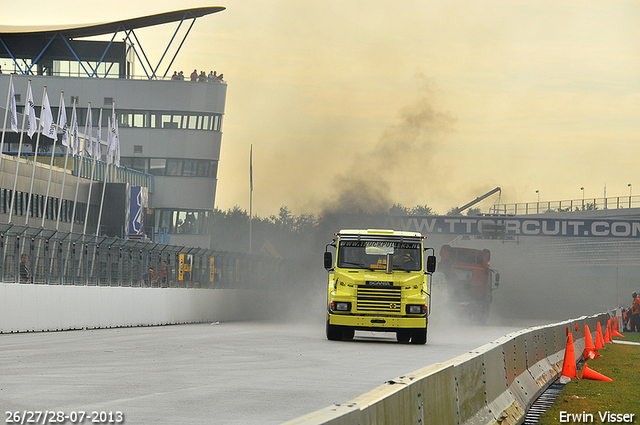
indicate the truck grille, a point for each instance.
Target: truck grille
{"x":376,"y":299}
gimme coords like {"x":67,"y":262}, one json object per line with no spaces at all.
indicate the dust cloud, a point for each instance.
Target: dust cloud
{"x":393,"y":169}
{"x":543,"y":280}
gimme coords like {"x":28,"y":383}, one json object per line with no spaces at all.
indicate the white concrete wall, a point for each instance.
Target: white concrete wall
{"x":25,"y":308}
{"x":494,"y":384}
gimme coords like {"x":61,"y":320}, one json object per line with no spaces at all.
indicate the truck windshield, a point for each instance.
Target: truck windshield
{"x":372,"y":255}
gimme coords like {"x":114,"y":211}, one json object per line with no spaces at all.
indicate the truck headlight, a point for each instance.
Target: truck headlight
{"x":415,"y":309}
{"x":340,"y":306}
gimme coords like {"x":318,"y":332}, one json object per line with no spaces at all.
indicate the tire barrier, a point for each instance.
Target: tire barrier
{"x":494,"y":384}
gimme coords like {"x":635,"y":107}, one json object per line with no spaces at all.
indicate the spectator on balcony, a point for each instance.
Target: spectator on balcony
{"x":194,"y":75}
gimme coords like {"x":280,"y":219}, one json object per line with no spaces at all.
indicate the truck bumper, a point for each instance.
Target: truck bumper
{"x":376,"y":322}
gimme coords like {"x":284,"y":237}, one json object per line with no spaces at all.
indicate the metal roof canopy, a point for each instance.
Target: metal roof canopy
{"x":40,"y":43}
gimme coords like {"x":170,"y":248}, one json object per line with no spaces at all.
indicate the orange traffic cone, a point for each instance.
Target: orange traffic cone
{"x":569,"y":363}
{"x":616,"y":329}
{"x":599,"y":339}
{"x":590,"y":351}
{"x":592,"y":374}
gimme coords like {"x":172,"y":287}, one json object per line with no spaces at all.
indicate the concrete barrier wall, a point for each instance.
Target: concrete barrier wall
{"x":494,"y":384}
{"x":25,"y":308}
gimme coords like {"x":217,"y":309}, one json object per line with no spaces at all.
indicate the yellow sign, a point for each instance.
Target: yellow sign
{"x":212,"y":269}
{"x":181,"y":267}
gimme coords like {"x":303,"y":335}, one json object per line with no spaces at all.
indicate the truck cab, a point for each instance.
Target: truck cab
{"x":470,"y":280}
{"x":378,"y":281}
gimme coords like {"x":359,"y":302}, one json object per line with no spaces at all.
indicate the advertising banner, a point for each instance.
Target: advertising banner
{"x":139,"y":201}
{"x":500,"y":227}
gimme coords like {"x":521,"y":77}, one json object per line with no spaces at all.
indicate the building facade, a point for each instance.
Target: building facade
{"x":169,"y":129}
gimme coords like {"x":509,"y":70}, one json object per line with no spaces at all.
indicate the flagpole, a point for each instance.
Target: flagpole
{"x":93,"y":166}
{"x":250,"y":196}
{"x":15,"y":180}
{"x":35,"y":158}
{"x":6,"y":112}
{"x":53,"y":155}
{"x":111,"y":140}
{"x":64,"y":175}
{"x":80,"y":167}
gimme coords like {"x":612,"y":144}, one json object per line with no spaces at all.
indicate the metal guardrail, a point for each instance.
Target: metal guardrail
{"x":65,"y":258}
{"x":586,"y":204}
{"x":82,"y":166}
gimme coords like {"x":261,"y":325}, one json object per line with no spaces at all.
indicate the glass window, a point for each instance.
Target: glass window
{"x":157,"y":166}
{"x":139,"y":164}
{"x":213,"y":169}
{"x":126,"y":162}
{"x":202,"y":168}
{"x":167,"y":123}
{"x":174,"y":167}
{"x":189,"y":168}
{"x":193,"y":122}
{"x":138,"y":120}
{"x":177,"y":121}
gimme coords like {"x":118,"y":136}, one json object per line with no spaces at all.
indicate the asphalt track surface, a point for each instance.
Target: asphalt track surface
{"x":225,"y":373}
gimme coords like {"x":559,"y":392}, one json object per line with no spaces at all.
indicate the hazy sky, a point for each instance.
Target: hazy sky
{"x":411,"y":102}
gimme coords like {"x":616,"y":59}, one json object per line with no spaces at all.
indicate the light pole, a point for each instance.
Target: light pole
{"x":629,"y":194}
{"x":538,"y":203}
{"x":582,"y":189}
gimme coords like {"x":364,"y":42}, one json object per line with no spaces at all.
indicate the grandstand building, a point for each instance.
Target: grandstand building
{"x":170,"y":131}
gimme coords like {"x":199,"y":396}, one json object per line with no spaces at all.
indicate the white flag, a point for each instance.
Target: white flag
{"x":109,"y":139}
{"x":74,"y":131}
{"x":96,"y":147}
{"x":63,"y":124}
{"x":46,"y":119}
{"x":117,"y":160}
{"x":14,"y":111}
{"x":31,"y":114}
{"x":113,"y":143}
{"x":88,"y":146}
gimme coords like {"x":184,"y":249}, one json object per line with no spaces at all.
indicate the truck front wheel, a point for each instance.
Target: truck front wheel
{"x":419,"y":336}
{"x":403,"y":336}
{"x":334,"y":333}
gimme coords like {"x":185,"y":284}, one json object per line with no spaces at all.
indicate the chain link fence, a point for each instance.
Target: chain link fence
{"x":50,"y":257}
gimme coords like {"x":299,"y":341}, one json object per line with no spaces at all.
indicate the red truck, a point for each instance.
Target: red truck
{"x":469,"y":280}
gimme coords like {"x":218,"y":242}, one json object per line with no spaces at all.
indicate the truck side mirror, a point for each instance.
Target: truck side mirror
{"x":431,"y":264}
{"x":328,"y":260}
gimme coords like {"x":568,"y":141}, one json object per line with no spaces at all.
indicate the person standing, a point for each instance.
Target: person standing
{"x":25,"y":274}
{"x":635,"y":313}
{"x":164,"y":273}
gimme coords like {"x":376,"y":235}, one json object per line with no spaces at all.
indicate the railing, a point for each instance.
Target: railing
{"x":81,"y":166}
{"x":586,"y":204}
{"x":64,"y":258}
{"x":79,"y":74}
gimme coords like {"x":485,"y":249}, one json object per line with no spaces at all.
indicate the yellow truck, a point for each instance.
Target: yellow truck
{"x":380,"y":281}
